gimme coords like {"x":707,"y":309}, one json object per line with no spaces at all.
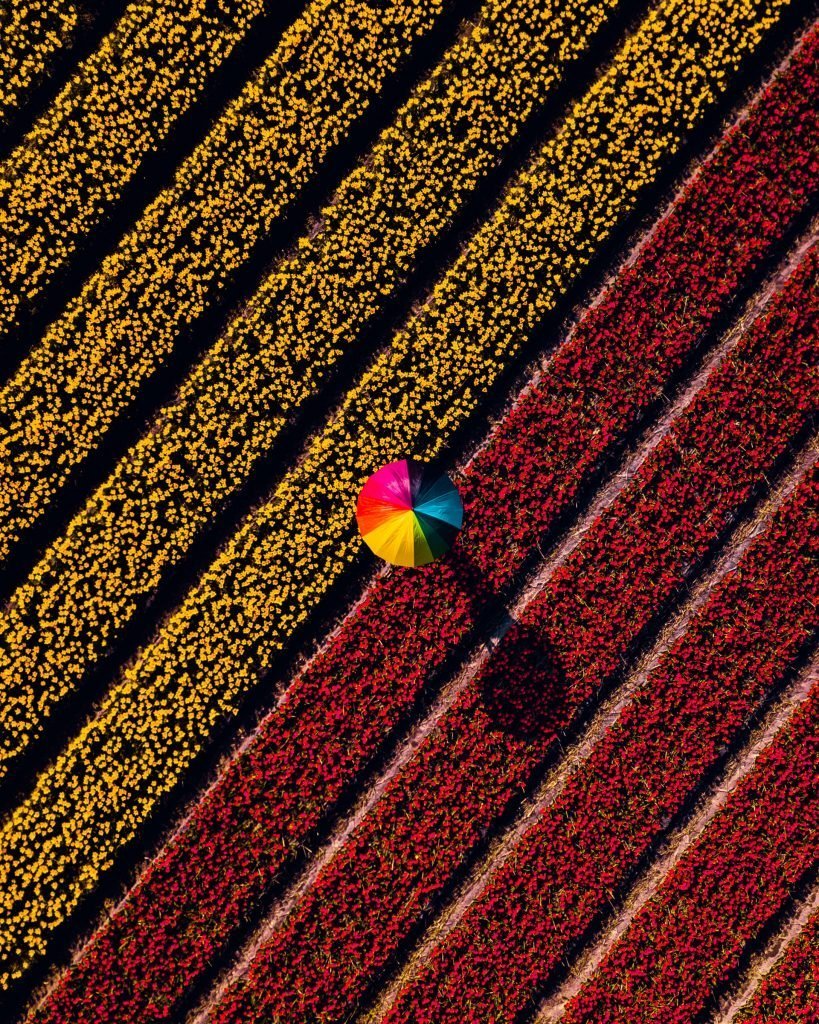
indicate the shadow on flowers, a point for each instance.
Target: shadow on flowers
{"x":523,"y":683}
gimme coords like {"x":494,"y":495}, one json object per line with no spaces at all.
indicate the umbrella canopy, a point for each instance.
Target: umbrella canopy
{"x":406,"y":516}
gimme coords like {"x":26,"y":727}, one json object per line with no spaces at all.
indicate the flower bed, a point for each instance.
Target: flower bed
{"x":569,"y":641}
{"x":324,"y":74}
{"x":583,"y":847}
{"x":94,"y":579}
{"x":371,"y":685}
{"x":739,"y":874}
{"x":32,"y":33}
{"x":790,"y":990}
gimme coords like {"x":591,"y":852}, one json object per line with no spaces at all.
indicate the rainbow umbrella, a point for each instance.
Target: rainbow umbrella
{"x":406,"y":516}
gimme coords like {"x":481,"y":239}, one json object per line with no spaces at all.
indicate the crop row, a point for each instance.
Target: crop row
{"x":735,"y":879}
{"x":93,"y":580}
{"x":584,"y":846}
{"x":326,"y":71}
{"x":225,"y":857}
{"x":790,"y":990}
{"x":213,"y":650}
{"x":32,"y":32}
{"x":118,"y":106}
{"x":563,"y":649}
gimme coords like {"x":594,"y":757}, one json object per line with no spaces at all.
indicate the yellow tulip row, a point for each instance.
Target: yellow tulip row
{"x":213,"y":650}
{"x":118,"y":106}
{"x":329,"y":66}
{"x":32,"y":32}
{"x":275,"y":354}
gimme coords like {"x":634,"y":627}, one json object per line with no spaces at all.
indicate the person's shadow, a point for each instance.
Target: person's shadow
{"x":522,"y":683}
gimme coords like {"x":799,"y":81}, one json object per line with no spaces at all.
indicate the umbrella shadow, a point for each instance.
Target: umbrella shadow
{"x":523,"y":685}
{"x":523,"y":682}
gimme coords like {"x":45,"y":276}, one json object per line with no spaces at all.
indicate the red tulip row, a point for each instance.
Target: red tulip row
{"x":572,"y":637}
{"x":584,"y":847}
{"x":790,"y":991}
{"x":731,"y":883}
{"x":350,"y":698}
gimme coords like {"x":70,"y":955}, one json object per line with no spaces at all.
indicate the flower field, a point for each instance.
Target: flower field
{"x":566,"y":251}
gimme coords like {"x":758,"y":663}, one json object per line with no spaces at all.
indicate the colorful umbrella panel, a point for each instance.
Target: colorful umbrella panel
{"x":406,"y":515}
